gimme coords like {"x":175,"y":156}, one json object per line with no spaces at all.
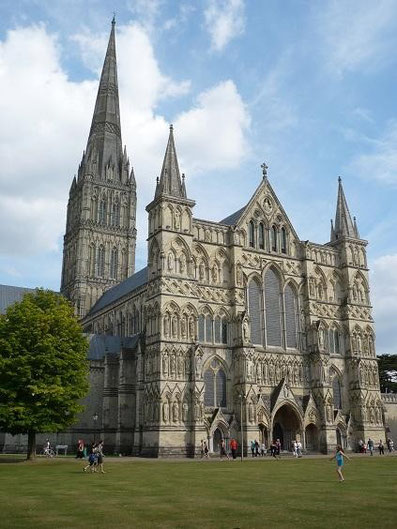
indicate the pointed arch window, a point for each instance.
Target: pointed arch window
{"x":336,"y":386}
{"x":224,"y":332}
{"x":217,"y":324}
{"x":215,"y":386}
{"x":115,"y":217}
{"x":102,"y":212}
{"x":291,"y":316}
{"x":273,"y":309}
{"x":337,"y":349}
{"x":208,"y":328}
{"x":254,"y":309}
{"x":201,"y":328}
{"x":91,"y":262}
{"x":261,"y":236}
{"x":114,"y":262}
{"x":283,"y":240}
{"x":100,"y":262}
{"x":251,"y":234}
{"x":273,"y":235}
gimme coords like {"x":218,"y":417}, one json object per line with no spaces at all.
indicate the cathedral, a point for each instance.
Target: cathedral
{"x":234,"y":329}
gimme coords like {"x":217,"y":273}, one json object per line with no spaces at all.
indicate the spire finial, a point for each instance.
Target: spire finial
{"x":183,"y":176}
{"x":171,"y":127}
{"x":114,"y":18}
{"x":339,"y":179}
{"x":264,"y":170}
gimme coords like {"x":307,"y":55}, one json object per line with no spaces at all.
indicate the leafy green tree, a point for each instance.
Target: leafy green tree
{"x":43,"y":366}
{"x":387,"y":365}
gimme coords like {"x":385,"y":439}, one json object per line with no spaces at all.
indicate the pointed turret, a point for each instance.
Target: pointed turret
{"x":344,"y":226}
{"x":170,"y":179}
{"x":105,"y":132}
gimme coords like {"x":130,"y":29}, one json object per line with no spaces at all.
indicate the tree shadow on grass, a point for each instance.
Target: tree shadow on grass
{"x":13,"y":459}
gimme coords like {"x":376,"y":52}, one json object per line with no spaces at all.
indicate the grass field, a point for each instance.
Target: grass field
{"x":135,"y":494}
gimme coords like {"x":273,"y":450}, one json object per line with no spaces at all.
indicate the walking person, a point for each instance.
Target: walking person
{"x":278,"y":448}
{"x":80,"y":449}
{"x":253,"y":448}
{"x":339,"y":457}
{"x":381,"y":448}
{"x":370,"y":446}
{"x":294,"y":445}
{"x":273,"y":449}
{"x":233,"y":447}
{"x":100,"y":456}
{"x":92,"y":459}
{"x":206,"y":454}
{"x":263,"y":449}
{"x":222,"y":451}
{"x":299,"y":449}
{"x":256,"y":448}
{"x":202,"y":448}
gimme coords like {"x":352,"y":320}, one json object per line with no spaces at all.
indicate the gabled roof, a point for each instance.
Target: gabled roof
{"x":10,"y":295}
{"x":118,"y":291}
{"x":232,"y":219}
{"x":102,"y":344}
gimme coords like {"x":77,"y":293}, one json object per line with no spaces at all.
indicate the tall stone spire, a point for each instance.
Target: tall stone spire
{"x":344,"y":226}
{"x":170,"y":182}
{"x":104,"y":141}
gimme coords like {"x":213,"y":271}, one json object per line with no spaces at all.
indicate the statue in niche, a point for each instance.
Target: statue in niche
{"x":165,"y":365}
{"x":201,"y":271}
{"x":170,"y":261}
{"x":321,"y":338}
{"x":175,"y":412}
{"x":239,"y":274}
{"x":185,"y":410}
{"x":177,"y":220}
{"x":246,"y":330}
{"x":183,"y":327}
{"x":258,"y":372}
{"x":180,"y":366}
{"x":174,"y":325}
{"x":192,"y":328}
{"x":199,"y":363}
{"x":172,"y":365}
{"x":165,"y":411}
{"x":214,"y":274}
{"x":182,"y":264}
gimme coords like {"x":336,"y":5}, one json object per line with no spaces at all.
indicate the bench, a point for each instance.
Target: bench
{"x":61,"y":447}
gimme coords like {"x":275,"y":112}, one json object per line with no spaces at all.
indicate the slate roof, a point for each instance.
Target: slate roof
{"x":102,"y":344}
{"x":232,"y":219}
{"x":118,"y":291}
{"x":10,"y":295}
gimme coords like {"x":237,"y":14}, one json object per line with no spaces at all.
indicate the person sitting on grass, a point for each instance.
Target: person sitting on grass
{"x":339,"y":457}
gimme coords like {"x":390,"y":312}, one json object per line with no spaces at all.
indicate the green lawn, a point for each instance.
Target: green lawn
{"x":290,"y":494}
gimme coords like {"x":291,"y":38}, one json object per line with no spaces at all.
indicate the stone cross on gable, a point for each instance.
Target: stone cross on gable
{"x":264,"y":169}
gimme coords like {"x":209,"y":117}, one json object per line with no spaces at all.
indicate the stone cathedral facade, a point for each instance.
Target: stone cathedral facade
{"x":233,"y":326}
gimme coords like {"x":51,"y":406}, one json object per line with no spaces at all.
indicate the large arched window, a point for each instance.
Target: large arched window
{"x":220,"y":389}
{"x":217,"y":324}
{"x":261,"y":236}
{"x":201,"y":328}
{"x":205,"y":327}
{"x":100,"y":262}
{"x":254,"y":308}
{"x":102,"y":211}
{"x":114,"y":263}
{"x":251,"y":234}
{"x":336,"y":386}
{"x":291,"y":316}
{"x":273,"y":309}
{"x":208,"y":328}
{"x":215,"y":385}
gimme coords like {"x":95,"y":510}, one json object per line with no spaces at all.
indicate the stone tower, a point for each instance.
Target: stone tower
{"x":361,"y":373}
{"x":99,"y":244}
{"x":169,"y":388}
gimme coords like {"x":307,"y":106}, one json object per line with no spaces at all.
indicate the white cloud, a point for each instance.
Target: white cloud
{"x":46,"y":118}
{"x":212,"y":133}
{"x":380,"y":159}
{"x":224,"y":21}
{"x":384,"y":298}
{"x":357,"y":33}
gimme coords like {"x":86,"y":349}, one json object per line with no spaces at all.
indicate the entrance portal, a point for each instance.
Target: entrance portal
{"x":286,"y":426}
{"x":312,"y":438}
{"x":216,"y":441}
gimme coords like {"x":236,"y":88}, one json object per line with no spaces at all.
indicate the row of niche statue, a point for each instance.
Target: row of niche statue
{"x":186,"y":325}
{"x":368,"y":376}
{"x":175,"y":364}
{"x":177,"y":411}
{"x":272,"y":370}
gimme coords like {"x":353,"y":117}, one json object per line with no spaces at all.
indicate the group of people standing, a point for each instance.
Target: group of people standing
{"x":95,"y":459}
{"x":369,"y":446}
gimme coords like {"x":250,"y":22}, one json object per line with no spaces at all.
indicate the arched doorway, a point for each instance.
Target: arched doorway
{"x":263,"y":435}
{"x":311,"y":438}
{"x":286,"y":426}
{"x":216,"y":440}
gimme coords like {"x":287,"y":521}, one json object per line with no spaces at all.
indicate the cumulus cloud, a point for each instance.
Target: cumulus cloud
{"x":47,"y":117}
{"x":379,"y":161}
{"x":384,"y":298}
{"x":213,"y":131}
{"x":357,"y":33}
{"x":224,"y":21}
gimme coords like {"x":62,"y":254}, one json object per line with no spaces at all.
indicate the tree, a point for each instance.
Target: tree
{"x":387,"y":365}
{"x":43,"y":366}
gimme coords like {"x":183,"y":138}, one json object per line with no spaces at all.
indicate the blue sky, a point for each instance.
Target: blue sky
{"x":308,"y":87}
